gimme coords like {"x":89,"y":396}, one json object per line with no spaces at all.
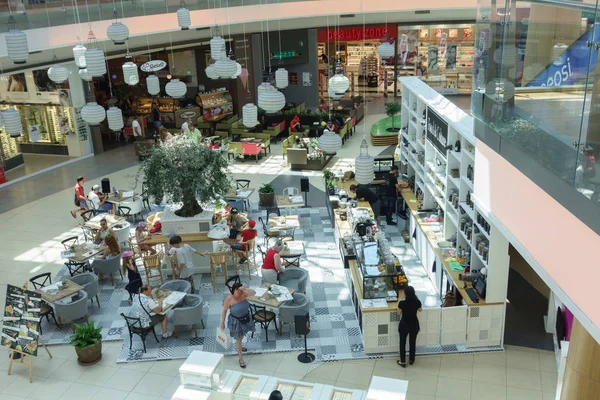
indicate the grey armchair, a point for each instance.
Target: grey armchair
{"x":178,"y":285}
{"x":71,"y":308}
{"x":108,"y":266}
{"x":294,"y":278}
{"x":288,"y":310}
{"x":89,"y":282}
{"x":189,"y":312}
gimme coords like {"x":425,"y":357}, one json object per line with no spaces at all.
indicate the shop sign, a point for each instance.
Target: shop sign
{"x":153,"y":66}
{"x":188,"y":114}
{"x":437,"y":131}
{"x":358,"y":33}
{"x":280,"y":55}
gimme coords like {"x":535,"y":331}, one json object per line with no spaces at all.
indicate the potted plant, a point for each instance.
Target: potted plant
{"x":391,"y":109}
{"x":87,"y":340}
{"x":266,"y":195}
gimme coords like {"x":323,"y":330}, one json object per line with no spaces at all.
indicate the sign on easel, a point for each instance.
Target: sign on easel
{"x":20,"y":331}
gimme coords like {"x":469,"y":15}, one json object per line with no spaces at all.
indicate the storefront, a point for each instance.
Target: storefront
{"x":440,"y":54}
{"x":355,"y":47}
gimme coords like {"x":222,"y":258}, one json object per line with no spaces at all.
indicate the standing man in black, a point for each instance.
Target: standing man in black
{"x":391,"y":182}
{"x":363,"y":193}
{"x":409,"y":325}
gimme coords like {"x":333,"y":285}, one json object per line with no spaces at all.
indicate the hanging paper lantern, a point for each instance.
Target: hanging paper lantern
{"x":211,"y":73}
{"x":130,"y":73}
{"x":238,"y":70}
{"x":385,"y":50}
{"x":217,"y":48}
{"x":263,"y":88}
{"x":281,"y":78}
{"x":153,"y":85}
{"x":12,"y":122}
{"x":183,"y":17}
{"x":1,"y":120}
{"x":225,"y":68}
{"x":118,"y":33}
{"x":79,"y":55}
{"x":340,"y":83}
{"x":16,"y":45}
{"x":500,"y":90}
{"x":364,"y":165}
{"x":271,"y":100}
{"x":250,"y":115}
{"x":95,"y":62}
{"x":93,"y":113}
{"x":58,"y":74}
{"x":176,"y":89}
{"x":333,"y":94}
{"x":330,"y":142}
{"x":85,"y":75}
{"x":115,"y":119}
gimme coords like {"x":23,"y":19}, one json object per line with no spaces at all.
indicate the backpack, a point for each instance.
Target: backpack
{"x":76,"y":200}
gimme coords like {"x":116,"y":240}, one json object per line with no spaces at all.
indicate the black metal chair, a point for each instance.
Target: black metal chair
{"x":264,"y":318}
{"x":75,"y":267}
{"x":68,"y":242}
{"x":146,"y":200}
{"x":39,"y":281}
{"x":266,"y":234}
{"x":134,"y":326}
{"x":234,"y":279}
{"x":244,"y":184}
{"x":260,"y":250}
{"x":88,"y":233}
{"x":87,"y":215}
{"x":124,"y":211}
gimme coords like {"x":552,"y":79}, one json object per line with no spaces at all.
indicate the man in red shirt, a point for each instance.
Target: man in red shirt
{"x":246,"y":235}
{"x":79,"y":199}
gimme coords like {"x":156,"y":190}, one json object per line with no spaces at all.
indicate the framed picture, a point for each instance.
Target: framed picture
{"x":467,"y":33}
{"x":438,"y":33}
{"x":453,"y":33}
{"x":424,"y":33}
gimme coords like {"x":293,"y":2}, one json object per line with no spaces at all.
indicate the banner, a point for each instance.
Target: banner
{"x":437,"y":131}
{"x":20,"y":331}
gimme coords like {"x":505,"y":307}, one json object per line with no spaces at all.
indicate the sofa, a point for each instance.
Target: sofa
{"x":225,"y":124}
{"x":294,"y":278}
{"x":275,"y":130}
{"x":265,"y":139}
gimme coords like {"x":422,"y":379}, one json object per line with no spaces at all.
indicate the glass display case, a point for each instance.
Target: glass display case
{"x":383,"y":165}
{"x":215,"y":105}
{"x":167,"y":107}
{"x":8,"y":147}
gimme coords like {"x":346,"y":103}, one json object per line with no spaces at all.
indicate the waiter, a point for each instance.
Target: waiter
{"x":363,"y":193}
{"x":391,"y":182}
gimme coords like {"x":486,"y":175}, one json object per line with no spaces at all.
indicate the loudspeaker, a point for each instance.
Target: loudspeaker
{"x":304,"y":186}
{"x":105,"y":185}
{"x":302,"y":323}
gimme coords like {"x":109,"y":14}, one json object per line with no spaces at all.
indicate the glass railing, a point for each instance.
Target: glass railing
{"x":31,"y":14}
{"x":534,"y":79}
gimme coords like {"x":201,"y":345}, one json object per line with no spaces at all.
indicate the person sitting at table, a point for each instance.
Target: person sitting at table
{"x":246,"y":235}
{"x":104,"y":231}
{"x":299,"y":144}
{"x":100,"y":201}
{"x":193,"y":132}
{"x":112,"y":248}
{"x":331,"y":126}
{"x":185,"y":262}
{"x":141,"y":234}
{"x":240,"y":320}
{"x":133,"y":275}
{"x":164,"y":134}
{"x":235,"y":221}
{"x":271,"y":267}
{"x":295,"y":124}
{"x":147,"y":310}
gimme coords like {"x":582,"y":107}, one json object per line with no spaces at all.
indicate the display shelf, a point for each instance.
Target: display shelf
{"x":468,"y":210}
{"x":467,"y":182}
{"x":485,"y":264}
{"x":481,"y":230}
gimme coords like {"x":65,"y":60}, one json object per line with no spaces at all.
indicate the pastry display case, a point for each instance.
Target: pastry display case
{"x":167,"y":107}
{"x":215,"y":105}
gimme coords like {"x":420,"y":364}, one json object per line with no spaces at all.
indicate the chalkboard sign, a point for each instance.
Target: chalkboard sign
{"x":20,"y":331}
{"x":437,"y":131}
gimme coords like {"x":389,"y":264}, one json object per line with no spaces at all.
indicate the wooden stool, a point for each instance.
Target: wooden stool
{"x":152,"y":267}
{"x":218,"y":259}
{"x":250,"y":256}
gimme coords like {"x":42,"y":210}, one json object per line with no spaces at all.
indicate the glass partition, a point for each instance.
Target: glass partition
{"x":534,"y":79}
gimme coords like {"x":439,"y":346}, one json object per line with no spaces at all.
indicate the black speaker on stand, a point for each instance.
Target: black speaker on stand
{"x":105,"y":185}
{"x":305,"y":187}
{"x":302,"y":326}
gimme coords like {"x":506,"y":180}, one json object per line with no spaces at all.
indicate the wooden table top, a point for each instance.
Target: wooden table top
{"x":295,"y":248}
{"x":267,"y":300}
{"x":159,"y":238}
{"x":240,"y":194}
{"x":111,"y":219}
{"x":161,"y":294}
{"x":119,"y":196}
{"x":84,"y":253}
{"x":70,"y":289}
{"x":284,"y":201}
{"x":287,"y":222}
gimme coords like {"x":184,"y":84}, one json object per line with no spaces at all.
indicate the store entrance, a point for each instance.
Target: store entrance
{"x":527,"y":306}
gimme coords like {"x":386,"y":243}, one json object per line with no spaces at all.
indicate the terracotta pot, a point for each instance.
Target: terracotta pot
{"x":89,"y":355}
{"x":266,"y":199}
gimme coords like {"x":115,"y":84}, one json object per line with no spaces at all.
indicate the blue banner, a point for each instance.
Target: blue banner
{"x":572,"y":65}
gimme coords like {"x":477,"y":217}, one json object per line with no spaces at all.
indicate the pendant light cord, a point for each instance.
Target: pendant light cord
{"x":147,"y":40}
{"x":228,"y":26}
{"x":268,"y":41}
{"x":170,"y":41}
{"x":279,"y":29}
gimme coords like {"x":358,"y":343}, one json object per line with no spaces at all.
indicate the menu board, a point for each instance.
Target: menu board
{"x":20,"y":331}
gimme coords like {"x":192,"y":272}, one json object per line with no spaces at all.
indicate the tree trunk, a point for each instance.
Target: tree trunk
{"x":190,"y":207}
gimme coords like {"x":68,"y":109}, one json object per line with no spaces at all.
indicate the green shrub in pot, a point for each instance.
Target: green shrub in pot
{"x":266,"y":195}
{"x":87,"y":340}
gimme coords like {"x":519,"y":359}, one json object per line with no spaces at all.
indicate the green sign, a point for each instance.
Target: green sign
{"x":279,"y":55}
{"x":588,"y":14}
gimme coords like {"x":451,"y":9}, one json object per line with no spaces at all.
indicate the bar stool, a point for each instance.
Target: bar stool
{"x":152,"y":267}
{"x":218,"y":267}
{"x":249,"y":255}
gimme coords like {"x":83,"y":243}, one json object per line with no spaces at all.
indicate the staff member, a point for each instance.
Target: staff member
{"x":391,"y":181}
{"x":409,"y":325}
{"x":363,"y":193}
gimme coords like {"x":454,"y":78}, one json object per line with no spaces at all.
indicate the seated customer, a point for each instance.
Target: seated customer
{"x":235,"y":221}
{"x":99,"y":200}
{"x":193,"y":132}
{"x":141,"y":234}
{"x":272,"y":267}
{"x":299,"y":144}
{"x":295,"y":124}
{"x":103,"y":232}
{"x":147,"y":309}
{"x":164,"y":134}
{"x":246,"y":235}
{"x":112,"y":248}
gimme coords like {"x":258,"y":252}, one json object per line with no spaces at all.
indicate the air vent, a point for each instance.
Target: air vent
{"x":423,"y":12}
{"x":347,"y":16}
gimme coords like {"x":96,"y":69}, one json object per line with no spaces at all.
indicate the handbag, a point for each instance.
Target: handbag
{"x":76,"y":200}
{"x":219,"y":231}
{"x":224,"y":338}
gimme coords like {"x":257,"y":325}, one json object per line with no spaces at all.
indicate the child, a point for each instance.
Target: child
{"x":185,"y":261}
{"x":140,"y":235}
{"x":134,"y":277}
{"x":247,"y":234}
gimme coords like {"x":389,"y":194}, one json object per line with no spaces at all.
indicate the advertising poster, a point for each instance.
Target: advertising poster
{"x":20,"y":331}
{"x":451,"y":56}
{"x":432,"y":58}
{"x":306,"y":79}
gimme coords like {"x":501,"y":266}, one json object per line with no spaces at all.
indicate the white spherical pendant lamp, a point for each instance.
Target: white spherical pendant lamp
{"x":118,"y":33}
{"x":183,"y":17}
{"x":250,"y":115}
{"x":12,"y":122}
{"x":364,"y":165}
{"x":238,"y":70}
{"x":225,"y":68}
{"x":58,"y":74}
{"x":263,"y":88}
{"x":79,"y":55}
{"x":95,"y":62}
{"x":217,"y":48}
{"x":281,"y":78}
{"x":334,"y":96}
{"x":211,"y":73}
{"x":85,"y":75}
{"x":93,"y":113}
{"x":385,"y":50}
{"x":271,"y":100}
{"x":153,"y":85}
{"x":130,"y":73}
{"x":17,"y":48}
{"x":340,"y":83}
{"x":176,"y":89}
{"x":330,"y":142}
{"x":115,"y":119}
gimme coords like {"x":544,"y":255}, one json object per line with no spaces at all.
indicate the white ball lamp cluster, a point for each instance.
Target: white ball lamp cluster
{"x":281,"y":78}
{"x":153,"y":85}
{"x":176,"y":89}
{"x":85,"y":75}
{"x":58,"y":74}
{"x":17,"y":48}
{"x":115,"y":119}
{"x":79,"y":55}
{"x":183,"y":17}
{"x":250,"y":115}
{"x":130,"y":73}
{"x":217,"y":48}
{"x":118,"y":33}
{"x":225,"y":68}
{"x":364,"y":165}
{"x":238,"y":70}
{"x":211,"y":73}
{"x":332,"y":94}
{"x":12,"y":122}
{"x":330,"y":142}
{"x":385,"y":50}
{"x":339,"y":83}
{"x":93,"y":113}
{"x":271,"y":100}
{"x":95,"y":62}
{"x":264,"y":88}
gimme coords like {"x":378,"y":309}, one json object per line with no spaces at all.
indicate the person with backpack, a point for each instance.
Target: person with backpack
{"x":79,"y":199}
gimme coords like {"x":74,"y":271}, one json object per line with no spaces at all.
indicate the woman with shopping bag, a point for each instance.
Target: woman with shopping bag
{"x":240,"y":320}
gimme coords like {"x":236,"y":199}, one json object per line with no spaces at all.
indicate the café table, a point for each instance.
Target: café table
{"x":240,"y":194}
{"x":52,"y":293}
{"x":161,"y":294}
{"x":268,"y":300}
{"x":287,"y":222}
{"x":290,"y":255}
{"x":285,"y":201}
{"x":111,"y":220}
{"x":120,"y":196}
{"x":83,"y":253}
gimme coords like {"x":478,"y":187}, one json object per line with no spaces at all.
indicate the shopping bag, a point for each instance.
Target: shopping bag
{"x":219,"y":231}
{"x":224,"y":338}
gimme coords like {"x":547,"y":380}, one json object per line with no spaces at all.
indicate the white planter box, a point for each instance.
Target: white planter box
{"x":173,"y":224}
{"x":202,"y":370}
